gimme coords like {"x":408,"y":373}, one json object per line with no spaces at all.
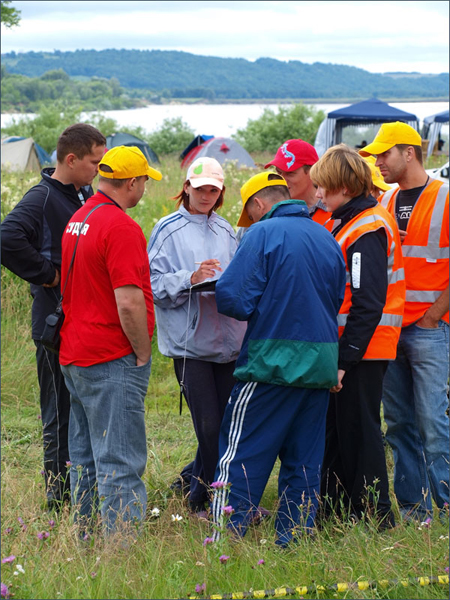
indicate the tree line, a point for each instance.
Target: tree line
{"x":183,"y":75}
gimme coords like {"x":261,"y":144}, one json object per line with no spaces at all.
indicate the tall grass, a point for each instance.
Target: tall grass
{"x":168,"y":559}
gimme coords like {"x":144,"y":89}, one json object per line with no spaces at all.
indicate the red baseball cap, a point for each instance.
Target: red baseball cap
{"x":293,"y":154}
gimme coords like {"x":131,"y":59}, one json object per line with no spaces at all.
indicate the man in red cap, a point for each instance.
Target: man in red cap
{"x":293,"y":161}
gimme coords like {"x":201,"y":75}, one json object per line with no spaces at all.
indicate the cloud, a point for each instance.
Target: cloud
{"x":362,"y":34}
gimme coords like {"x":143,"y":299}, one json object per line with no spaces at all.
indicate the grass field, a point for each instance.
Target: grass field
{"x":169,"y":559}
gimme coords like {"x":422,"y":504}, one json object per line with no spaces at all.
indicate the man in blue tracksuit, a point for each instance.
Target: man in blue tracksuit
{"x":287,"y":280}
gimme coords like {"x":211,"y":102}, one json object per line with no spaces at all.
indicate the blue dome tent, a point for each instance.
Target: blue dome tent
{"x":367,"y":112}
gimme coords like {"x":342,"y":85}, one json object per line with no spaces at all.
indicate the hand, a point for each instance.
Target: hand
{"x":206,"y":270}
{"x":338,"y":387}
{"x":55,"y":282}
{"x":144,"y":361}
{"x":428,"y":322}
{"x":402,"y":235}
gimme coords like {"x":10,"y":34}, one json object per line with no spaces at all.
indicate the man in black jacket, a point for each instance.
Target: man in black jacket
{"x":31,"y":248}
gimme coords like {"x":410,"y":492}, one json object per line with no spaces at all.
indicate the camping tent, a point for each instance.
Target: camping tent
{"x":432,"y":126}
{"x":222,"y":149}
{"x":126,"y":139}
{"x":367,"y":112}
{"x":197,"y":141}
{"x":23,"y":154}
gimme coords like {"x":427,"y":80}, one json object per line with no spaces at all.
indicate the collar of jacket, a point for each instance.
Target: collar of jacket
{"x":197,"y":218}
{"x":66,"y":188}
{"x":353,"y":207}
{"x":286,"y":208}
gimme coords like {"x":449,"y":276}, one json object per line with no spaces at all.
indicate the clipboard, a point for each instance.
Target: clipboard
{"x":204,"y":286}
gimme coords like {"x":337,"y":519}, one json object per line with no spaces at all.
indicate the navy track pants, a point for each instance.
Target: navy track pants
{"x":263,"y":422}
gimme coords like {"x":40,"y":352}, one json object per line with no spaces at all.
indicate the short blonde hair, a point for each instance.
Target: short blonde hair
{"x":341,"y":167}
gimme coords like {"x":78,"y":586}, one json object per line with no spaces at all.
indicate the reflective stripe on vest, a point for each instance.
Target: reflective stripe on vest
{"x":387,"y":319}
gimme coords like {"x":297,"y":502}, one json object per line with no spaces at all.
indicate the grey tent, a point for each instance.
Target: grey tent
{"x":432,"y":126}
{"x":223,"y":150}
{"x":126,"y":139}
{"x":20,"y":155}
{"x":367,"y":112}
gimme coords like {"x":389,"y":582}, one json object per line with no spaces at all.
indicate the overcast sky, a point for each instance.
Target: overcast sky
{"x":375,"y":36}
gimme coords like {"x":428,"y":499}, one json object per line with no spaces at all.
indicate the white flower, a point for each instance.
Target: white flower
{"x":155,"y":512}
{"x":177,"y":517}
{"x":78,"y":578}
{"x":263,"y":541}
{"x":443,"y":537}
{"x":19,"y":569}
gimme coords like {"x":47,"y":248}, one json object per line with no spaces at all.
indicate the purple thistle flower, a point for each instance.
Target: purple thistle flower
{"x":200,"y":588}
{"x":5,"y":591}
{"x":208,"y":540}
{"x":261,"y":561}
{"x":42,"y":472}
{"x":93,"y":574}
{"x":51,"y":523}
{"x":85,"y":537}
{"x":8,"y":530}
{"x":218,"y":485}
{"x":20,"y":520}
{"x":8,"y":559}
{"x":446,"y":569}
{"x":223,"y":559}
{"x":39,"y":417}
{"x":228,"y":510}
{"x":43,"y":535}
{"x":68,"y":463}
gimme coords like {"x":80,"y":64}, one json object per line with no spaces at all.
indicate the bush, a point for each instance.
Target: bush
{"x":173,"y":136}
{"x":272,"y":129}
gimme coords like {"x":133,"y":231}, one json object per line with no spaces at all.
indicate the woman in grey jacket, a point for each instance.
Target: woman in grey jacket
{"x":189,"y":247}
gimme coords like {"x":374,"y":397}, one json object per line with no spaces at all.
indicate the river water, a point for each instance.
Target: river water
{"x":225,"y":119}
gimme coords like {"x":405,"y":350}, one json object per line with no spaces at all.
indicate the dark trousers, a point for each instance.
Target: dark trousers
{"x":354,"y":473}
{"x":207,"y":387}
{"x":55,"y":410}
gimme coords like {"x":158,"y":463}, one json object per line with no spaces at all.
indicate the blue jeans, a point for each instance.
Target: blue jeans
{"x":107,"y":441}
{"x":415,"y":403}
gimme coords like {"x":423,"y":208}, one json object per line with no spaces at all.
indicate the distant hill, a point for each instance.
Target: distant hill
{"x":183,"y":75}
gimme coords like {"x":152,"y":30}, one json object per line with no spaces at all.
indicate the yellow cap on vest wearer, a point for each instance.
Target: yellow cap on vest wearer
{"x":256,"y":184}
{"x":377,"y":177}
{"x":391,"y":134}
{"x":126,"y":162}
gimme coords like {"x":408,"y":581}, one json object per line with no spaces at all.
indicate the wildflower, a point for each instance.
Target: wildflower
{"x":200,"y":588}
{"x":78,"y":578}
{"x":155,"y":512}
{"x":208,"y":540}
{"x":261,"y":561}
{"x":19,"y":569}
{"x":39,"y":417}
{"x":68,"y":463}
{"x":5,"y":591}
{"x":85,"y":537}
{"x":223,"y":559}
{"x":199,"y":564}
{"x":446,"y":569}
{"x":43,"y":535}
{"x":177,"y":517}
{"x":8,"y":530}
{"x":42,"y":472}
{"x":426,"y":523}
{"x":20,"y":520}
{"x":93,"y":574}
{"x":51,"y":523}
{"x":8,"y":559}
{"x":218,"y":485}
{"x":69,"y":559}
{"x":228,"y":510}
{"x":443,"y":537}
{"x":263,"y":541}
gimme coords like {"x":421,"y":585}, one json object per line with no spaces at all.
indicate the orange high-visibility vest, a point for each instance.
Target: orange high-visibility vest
{"x":323,"y":218}
{"x":425,"y":249}
{"x":383,"y":345}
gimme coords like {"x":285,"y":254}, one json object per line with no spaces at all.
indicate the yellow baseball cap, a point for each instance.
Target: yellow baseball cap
{"x":377,"y":177}
{"x":125,"y":162}
{"x":391,"y":134}
{"x":256,"y":184}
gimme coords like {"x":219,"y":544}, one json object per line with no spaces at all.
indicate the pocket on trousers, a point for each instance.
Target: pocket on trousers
{"x":98,"y":372}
